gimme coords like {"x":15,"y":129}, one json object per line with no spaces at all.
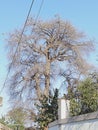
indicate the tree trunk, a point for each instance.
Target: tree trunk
{"x":37,"y":87}
{"x":47,"y":75}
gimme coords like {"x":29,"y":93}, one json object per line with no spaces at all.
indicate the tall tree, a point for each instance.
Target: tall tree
{"x":45,"y":47}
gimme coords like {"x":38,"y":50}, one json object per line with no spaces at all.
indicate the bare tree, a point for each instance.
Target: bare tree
{"x":44,"y":49}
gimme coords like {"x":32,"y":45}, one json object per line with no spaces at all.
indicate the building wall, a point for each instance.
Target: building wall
{"x":78,"y":125}
{"x":54,"y":128}
{"x":83,"y":125}
{"x":65,"y":122}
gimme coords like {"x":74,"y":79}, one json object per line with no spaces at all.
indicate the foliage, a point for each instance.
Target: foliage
{"x":16,"y":118}
{"x":47,"y":110}
{"x":16,"y":127}
{"x":85,"y":98}
{"x":6,"y":122}
{"x":3,"y":121}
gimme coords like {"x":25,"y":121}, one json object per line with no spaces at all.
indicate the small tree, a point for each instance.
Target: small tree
{"x":85,"y":98}
{"x":17,"y":117}
{"x":47,"y":110}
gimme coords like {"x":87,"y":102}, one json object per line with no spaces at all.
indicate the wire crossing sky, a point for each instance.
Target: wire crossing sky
{"x":19,"y":42}
{"x":83,"y":14}
{"x":17,"y":46}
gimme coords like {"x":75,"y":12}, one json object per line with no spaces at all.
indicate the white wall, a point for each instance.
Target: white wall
{"x":82,"y":122}
{"x":63,"y":111}
{"x":83,"y":125}
{"x":54,"y":128}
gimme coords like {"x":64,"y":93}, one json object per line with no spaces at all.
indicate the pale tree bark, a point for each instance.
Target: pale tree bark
{"x":37,"y":86}
{"x":47,"y":74}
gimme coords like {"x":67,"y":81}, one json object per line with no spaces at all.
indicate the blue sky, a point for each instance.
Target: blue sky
{"x":83,"y":14}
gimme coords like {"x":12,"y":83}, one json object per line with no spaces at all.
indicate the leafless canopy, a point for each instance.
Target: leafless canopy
{"x":44,"y":48}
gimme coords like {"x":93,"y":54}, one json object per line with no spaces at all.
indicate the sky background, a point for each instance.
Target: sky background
{"x":83,"y":14}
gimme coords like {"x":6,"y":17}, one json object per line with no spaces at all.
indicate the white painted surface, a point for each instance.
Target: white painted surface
{"x":63,"y":111}
{"x":83,"y":125}
{"x":83,"y":122}
{"x":54,"y":128}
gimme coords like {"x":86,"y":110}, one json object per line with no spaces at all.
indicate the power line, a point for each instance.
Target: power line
{"x":17,"y":45}
{"x":39,"y":11}
{"x":32,"y":3}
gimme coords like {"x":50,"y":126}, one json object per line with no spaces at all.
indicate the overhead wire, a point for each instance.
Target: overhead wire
{"x":31,"y":5}
{"x":39,"y":11}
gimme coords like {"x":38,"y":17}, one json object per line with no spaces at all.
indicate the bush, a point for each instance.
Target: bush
{"x":85,"y":98}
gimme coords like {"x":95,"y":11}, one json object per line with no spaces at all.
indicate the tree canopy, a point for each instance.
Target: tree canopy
{"x":45,"y":47}
{"x":85,"y":98}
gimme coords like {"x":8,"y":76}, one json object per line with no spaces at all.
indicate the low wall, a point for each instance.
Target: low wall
{"x":82,"y":122}
{"x":54,"y":125}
